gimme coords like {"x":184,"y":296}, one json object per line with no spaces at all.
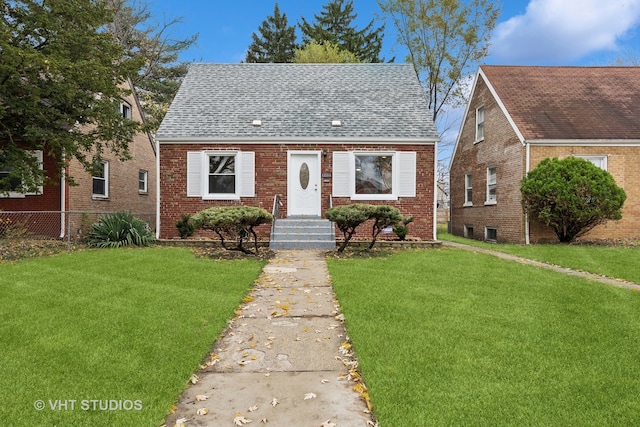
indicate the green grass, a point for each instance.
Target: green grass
{"x":613,"y":261}
{"x":123,"y":325}
{"x":451,"y":337}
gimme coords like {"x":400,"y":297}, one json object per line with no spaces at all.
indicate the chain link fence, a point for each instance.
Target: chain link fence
{"x":70,"y":226}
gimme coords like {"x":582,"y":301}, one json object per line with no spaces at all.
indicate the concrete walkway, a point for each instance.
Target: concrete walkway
{"x":599,"y":278}
{"x":284,"y":360}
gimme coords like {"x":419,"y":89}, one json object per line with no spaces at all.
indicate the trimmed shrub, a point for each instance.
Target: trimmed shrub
{"x":185,"y":226}
{"x":401,"y":230}
{"x":119,"y":229}
{"x":383,"y":216}
{"x":236,"y":223}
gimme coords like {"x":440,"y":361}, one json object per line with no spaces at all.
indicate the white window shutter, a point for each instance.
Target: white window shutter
{"x":194,"y":173}
{"x":40,"y":156}
{"x":406,"y":174}
{"x":247,"y":173}
{"x":341,"y":173}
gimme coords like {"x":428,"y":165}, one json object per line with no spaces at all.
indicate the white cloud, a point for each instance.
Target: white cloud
{"x":562,"y":31}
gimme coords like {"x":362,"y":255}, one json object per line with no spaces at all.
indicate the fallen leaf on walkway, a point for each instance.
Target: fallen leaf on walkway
{"x":180,"y":422}
{"x":239,"y":420}
{"x":194,"y":379}
{"x":328,"y":423}
{"x":201,"y":397}
{"x":324,"y":381}
{"x":253,"y":408}
{"x":202,"y":411}
{"x":274,"y":402}
{"x":173,"y":408}
{"x":372,"y":424}
{"x":264,"y":420}
{"x":310,"y":396}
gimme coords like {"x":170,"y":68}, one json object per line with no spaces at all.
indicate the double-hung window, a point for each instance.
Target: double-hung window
{"x":143,"y":181}
{"x":479,"y":124}
{"x":468,"y":190}
{"x":374,"y":175}
{"x":491,"y":186}
{"x":220,"y":175}
{"x":100,"y":179}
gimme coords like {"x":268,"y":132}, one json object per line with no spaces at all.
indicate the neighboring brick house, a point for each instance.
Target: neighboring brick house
{"x":118,"y":185}
{"x":519,"y":115}
{"x":242,"y":134}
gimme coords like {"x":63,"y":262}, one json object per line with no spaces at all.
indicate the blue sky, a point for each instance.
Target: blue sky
{"x":529,"y":32}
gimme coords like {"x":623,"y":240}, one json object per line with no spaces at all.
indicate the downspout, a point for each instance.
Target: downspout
{"x":63,"y":205}
{"x":435,"y":191}
{"x":157,"y":189}
{"x":527,"y":165}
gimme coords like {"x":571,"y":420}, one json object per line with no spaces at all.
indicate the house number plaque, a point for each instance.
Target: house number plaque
{"x":304,"y":176}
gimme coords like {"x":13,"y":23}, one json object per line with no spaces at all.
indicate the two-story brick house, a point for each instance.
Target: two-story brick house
{"x":520,"y":115}
{"x":115,"y":185}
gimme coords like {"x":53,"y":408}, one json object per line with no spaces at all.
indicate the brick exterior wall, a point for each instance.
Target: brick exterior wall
{"x":271,"y":179}
{"x":49,"y":200}
{"x":501,"y":149}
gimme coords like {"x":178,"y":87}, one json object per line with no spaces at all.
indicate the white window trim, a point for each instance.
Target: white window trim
{"x":479,"y":124}
{"x":592,"y":158}
{"x":495,"y":200}
{"x":394,"y":176}
{"x":145,"y":180}
{"x":16,"y":195}
{"x":106,"y":182}
{"x":468,"y":202}
{"x":205,"y":176}
{"x":124,"y":104}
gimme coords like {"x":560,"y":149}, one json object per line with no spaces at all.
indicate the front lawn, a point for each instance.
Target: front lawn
{"x":109,"y":337}
{"x":613,"y":261}
{"x":451,"y":337}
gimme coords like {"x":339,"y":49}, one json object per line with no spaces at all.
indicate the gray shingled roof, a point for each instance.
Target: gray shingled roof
{"x":220,"y":101}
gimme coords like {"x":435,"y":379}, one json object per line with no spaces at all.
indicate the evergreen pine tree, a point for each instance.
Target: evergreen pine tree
{"x":335,"y":25}
{"x":276,"y":41}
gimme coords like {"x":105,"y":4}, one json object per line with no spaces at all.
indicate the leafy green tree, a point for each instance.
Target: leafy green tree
{"x":61,"y":84}
{"x":150,"y":43}
{"x":276,"y":41}
{"x":571,"y":196}
{"x":335,"y":25}
{"x":325,"y":52}
{"x":445,"y":40}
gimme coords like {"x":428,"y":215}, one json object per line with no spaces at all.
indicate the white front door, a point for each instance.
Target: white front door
{"x":303,"y":189}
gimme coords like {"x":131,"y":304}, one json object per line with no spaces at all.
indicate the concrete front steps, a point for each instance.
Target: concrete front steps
{"x":303,"y":233}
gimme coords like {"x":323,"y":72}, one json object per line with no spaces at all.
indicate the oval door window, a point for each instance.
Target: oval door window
{"x":304,"y":176}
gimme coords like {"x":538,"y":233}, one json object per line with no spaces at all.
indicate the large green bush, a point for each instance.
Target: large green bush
{"x":348,"y":217}
{"x":120,"y":229}
{"x":235,"y":223}
{"x":571,"y":196}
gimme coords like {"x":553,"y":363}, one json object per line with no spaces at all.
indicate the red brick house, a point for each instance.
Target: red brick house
{"x":116,"y":186}
{"x":518,"y":116}
{"x":314,"y":135}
